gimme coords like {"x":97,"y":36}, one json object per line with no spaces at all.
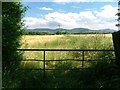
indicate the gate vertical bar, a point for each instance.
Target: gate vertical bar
{"x":82,"y":60}
{"x":44,"y":63}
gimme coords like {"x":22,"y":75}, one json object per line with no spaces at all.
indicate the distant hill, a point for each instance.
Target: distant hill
{"x":74,"y":30}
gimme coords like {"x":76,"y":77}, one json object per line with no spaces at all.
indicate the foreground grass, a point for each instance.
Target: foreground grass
{"x":100,"y":74}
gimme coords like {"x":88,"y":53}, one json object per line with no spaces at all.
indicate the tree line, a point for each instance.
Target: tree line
{"x":59,"y":33}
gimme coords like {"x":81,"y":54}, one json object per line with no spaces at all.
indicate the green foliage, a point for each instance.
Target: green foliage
{"x":59,"y":33}
{"x":12,"y":14}
{"x":118,"y":14}
{"x":43,"y":33}
{"x":102,"y":74}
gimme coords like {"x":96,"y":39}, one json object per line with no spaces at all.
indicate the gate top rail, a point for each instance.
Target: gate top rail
{"x":62,"y":50}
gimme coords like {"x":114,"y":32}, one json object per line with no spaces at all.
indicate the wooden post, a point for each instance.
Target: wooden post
{"x":116,"y":42}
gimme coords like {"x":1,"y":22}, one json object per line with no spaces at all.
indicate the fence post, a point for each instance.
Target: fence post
{"x":116,"y":42}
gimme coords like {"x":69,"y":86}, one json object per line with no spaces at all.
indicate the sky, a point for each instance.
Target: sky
{"x":68,"y":14}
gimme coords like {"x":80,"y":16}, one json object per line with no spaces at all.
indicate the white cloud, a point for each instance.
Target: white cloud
{"x":85,"y":19}
{"x":32,"y":22}
{"x":87,"y":14}
{"x":45,"y":8}
{"x":108,"y":11}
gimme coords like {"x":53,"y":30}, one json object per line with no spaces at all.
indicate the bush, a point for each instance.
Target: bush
{"x":12,"y":13}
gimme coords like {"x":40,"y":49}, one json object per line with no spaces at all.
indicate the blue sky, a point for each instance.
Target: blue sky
{"x":92,"y":15}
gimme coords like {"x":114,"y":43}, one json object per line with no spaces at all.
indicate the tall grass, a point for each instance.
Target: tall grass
{"x":100,"y":74}
{"x":66,"y":42}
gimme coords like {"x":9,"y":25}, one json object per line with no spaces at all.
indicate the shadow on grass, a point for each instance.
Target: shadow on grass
{"x":103,"y":74}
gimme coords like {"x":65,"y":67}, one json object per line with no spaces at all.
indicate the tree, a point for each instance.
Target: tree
{"x":12,"y":14}
{"x":118,"y":14}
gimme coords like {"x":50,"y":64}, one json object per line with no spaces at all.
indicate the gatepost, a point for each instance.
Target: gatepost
{"x":116,"y":42}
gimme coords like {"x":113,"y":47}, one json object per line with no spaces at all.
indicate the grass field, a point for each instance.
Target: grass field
{"x":80,"y":41}
{"x":101,"y":74}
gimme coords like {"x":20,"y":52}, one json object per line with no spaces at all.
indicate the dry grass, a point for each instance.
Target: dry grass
{"x":62,"y":41}
{"x":48,"y":38}
{"x":40,"y":39}
{"x":81,"y":41}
